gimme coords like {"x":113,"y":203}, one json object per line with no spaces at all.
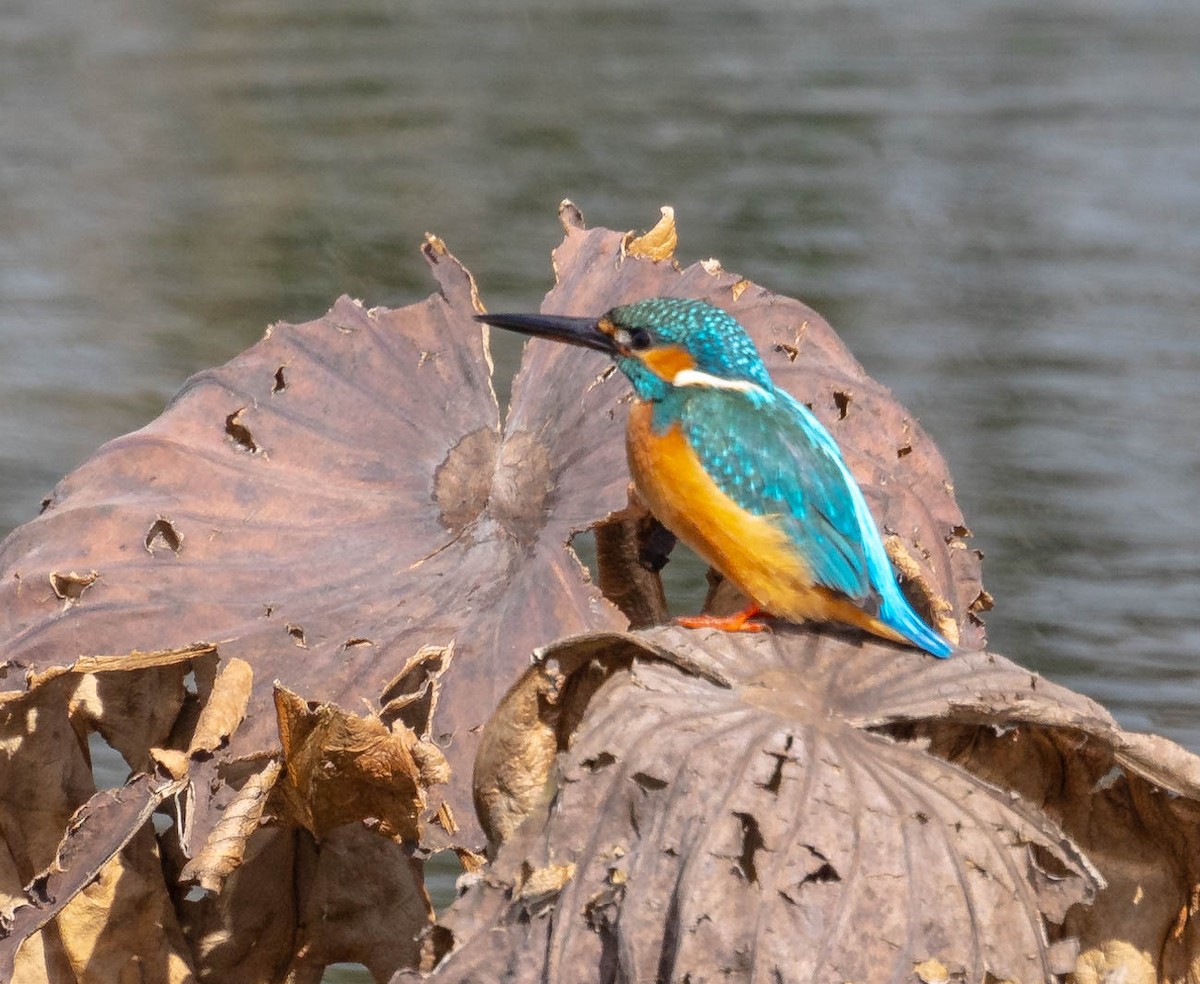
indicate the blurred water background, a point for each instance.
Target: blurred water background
{"x":995,"y":202}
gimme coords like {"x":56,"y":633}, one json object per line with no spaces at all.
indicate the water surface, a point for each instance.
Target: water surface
{"x":996,"y":204}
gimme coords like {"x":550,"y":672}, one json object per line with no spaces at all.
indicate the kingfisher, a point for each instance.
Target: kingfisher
{"x":741,"y":471}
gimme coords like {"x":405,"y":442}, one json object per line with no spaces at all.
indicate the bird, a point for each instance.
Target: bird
{"x":741,"y":471}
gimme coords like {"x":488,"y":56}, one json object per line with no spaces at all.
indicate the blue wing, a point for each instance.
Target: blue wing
{"x":769,"y":454}
{"x":772,"y":456}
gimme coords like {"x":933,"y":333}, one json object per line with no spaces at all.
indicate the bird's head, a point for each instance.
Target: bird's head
{"x":660,"y":344}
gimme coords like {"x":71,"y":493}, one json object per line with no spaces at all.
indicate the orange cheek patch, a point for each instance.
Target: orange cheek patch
{"x":668,"y":361}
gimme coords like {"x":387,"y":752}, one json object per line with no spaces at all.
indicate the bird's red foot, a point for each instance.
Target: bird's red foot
{"x":739,"y":622}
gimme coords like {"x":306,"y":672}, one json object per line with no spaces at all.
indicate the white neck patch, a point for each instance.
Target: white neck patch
{"x":694,"y":377}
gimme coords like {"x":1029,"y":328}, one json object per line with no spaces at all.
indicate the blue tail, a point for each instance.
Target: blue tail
{"x":894,"y":609}
{"x":898,"y":614}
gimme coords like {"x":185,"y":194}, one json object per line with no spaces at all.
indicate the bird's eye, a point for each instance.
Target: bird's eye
{"x":636,"y":339}
{"x":639,"y":339}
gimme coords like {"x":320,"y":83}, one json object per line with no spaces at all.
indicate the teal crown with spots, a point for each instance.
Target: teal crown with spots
{"x":716,"y":342}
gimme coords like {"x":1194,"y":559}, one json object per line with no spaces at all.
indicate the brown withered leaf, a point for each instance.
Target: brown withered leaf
{"x":103,"y":878}
{"x":36,"y":803}
{"x":330,"y":527}
{"x":86,"y":861}
{"x":224,"y":709}
{"x":225,"y":848}
{"x":797,"y":807}
{"x":106,"y":904}
{"x":341,"y":768}
{"x":658,"y":243}
{"x":362,"y":895}
{"x":247,"y":931}
{"x":1116,"y":961}
{"x":290,"y":906}
{"x":126,"y":662}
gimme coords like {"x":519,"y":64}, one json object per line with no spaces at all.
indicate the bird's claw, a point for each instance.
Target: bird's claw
{"x":738,"y":622}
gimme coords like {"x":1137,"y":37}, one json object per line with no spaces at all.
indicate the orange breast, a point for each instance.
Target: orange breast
{"x":752,"y":551}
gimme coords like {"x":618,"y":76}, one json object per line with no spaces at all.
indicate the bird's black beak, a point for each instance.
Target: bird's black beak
{"x":574,"y":331}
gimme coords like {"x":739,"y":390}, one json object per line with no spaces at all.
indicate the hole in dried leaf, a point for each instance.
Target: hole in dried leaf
{"x":657,"y":544}
{"x":690,"y":584}
{"x":960,"y":531}
{"x":70,"y":587}
{"x":297,"y":634}
{"x":163,"y":535}
{"x":443,"y":817}
{"x":411,"y":697}
{"x":904,"y":451}
{"x":583,"y":545}
{"x":437,"y":943}
{"x":601,"y":761}
{"x":280,"y":383}
{"x":822,"y":873}
{"x":601,"y":913}
{"x":240,"y":433}
{"x":649,"y":782}
{"x":841,"y":400}
{"x":825,"y":873}
{"x":776,"y":780}
{"x":346,"y":973}
{"x":442,"y":872}
{"x":628,"y":555}
{"x":36,"y":889}
{"x":752,"y":843}
{"x":108,"y":767}
{"x":789,"y":350}
{"x":984,"y":602}
{"x":1047,"y":864}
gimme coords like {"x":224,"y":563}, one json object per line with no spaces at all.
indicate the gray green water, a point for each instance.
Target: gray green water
{"x":997,"y":204}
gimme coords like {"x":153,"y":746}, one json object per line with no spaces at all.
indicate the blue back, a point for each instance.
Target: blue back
{"x":763,"y":451}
